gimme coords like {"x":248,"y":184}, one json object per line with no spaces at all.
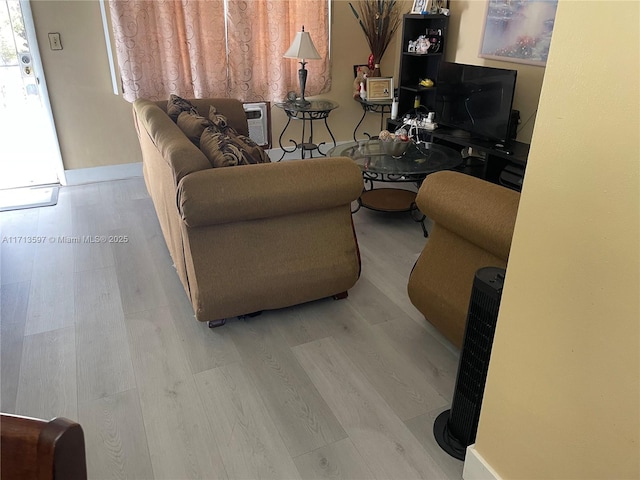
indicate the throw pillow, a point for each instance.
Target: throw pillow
{"x":176,"y":105}
{"x":193,"y":125}
{"x":229,"y":149}
{"x":220,"y":122}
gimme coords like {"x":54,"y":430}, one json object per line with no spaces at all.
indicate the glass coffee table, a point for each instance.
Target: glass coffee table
{"x":417,"y":162}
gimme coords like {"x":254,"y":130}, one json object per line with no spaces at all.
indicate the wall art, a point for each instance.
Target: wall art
{"x":518,"y":30}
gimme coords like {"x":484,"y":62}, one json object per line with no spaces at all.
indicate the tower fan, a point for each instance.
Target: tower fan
{"x":455,"y":429}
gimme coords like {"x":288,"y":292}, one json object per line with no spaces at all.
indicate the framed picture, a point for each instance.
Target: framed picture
{"x":419,"y":6}
{"x":518,"y":31}
{"x":379,"y":88}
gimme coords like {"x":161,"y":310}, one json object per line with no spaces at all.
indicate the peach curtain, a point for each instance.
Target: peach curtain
{"x":186,"y":47}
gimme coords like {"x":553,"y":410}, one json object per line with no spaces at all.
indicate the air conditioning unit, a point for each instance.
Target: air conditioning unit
{"x":259,"y":122}
{"x":455,"y":429}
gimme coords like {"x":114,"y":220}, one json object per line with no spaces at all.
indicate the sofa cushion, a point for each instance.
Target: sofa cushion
{"x":176,"y":105}
{"x":193,"y":125}
{"x":227,"y":149}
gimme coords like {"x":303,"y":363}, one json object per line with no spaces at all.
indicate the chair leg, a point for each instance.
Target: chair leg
{"x":217,"y":323}
{"x":420,"y":218}
{"x":341,"y":295}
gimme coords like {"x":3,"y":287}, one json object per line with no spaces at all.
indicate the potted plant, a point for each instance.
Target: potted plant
{"x":379,"y":20}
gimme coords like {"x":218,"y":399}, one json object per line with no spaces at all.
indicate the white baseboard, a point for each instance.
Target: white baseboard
{"x":275,"y":154}
{"x":81,"y":176}
{"x":476,"y":467}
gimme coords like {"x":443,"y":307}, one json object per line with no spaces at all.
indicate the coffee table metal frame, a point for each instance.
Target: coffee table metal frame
{"x":419,"y":161}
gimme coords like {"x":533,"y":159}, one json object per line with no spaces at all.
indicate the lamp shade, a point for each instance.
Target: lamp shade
{"x":302,"y":47}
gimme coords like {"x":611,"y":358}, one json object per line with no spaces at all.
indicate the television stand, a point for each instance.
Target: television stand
{"x":503,"y":162}
{"x":474,"y":161}
{"x":498,"y":156}
{"x":501,"y":147}
{"x":459,"y":133}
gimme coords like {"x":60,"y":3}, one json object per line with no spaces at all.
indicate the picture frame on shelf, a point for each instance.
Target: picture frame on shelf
{"x":419,"y":6}
{"x":379,"y":88}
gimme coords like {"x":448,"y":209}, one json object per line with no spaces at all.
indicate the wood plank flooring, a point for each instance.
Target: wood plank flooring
{"x":103,"y":334}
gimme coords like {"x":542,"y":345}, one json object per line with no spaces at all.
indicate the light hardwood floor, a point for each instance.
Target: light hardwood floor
{"x":104,"y":334}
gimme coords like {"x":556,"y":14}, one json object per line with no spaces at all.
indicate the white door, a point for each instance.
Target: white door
{"x":29,"y":150}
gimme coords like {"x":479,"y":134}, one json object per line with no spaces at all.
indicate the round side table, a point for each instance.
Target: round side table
{"x":307,"y":113}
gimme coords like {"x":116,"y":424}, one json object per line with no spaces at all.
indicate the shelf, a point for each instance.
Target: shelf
{"x":519,"y":150}
{"x":413,"y":54}
{"x":426,"y":16}
{"x":415,"y":66}
{"x":418,"y":89}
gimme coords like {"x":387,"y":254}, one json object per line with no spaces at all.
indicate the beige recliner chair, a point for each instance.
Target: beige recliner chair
{"x":473,"y":223}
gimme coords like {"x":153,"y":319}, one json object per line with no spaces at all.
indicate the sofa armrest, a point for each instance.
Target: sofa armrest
{"x":481,"y":212}
{"x":249,"y":192}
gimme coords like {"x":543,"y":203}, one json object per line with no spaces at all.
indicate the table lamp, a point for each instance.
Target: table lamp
{"x":302,"y":48}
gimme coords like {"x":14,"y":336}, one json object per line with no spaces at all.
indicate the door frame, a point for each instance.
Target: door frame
{"x":34,"y":49}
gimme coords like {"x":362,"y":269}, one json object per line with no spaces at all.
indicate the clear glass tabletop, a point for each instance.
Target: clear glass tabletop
{"x":418,"y":160}
{"x":312,"y":106}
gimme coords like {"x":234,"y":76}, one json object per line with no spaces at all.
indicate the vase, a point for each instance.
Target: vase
{"x":376,"y":71}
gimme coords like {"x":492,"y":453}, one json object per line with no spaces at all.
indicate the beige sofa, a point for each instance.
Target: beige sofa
{"x":473,"y":223}
{"x":253,"y":237}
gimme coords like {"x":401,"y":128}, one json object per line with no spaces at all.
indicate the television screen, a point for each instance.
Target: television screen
{"x":475,"y":99}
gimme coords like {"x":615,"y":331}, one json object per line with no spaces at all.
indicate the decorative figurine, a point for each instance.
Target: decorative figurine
{"x":422,"y":45}
{"x":361,"y":77}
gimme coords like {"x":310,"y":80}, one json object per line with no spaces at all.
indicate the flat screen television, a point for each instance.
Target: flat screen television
{"x":475,"y":100}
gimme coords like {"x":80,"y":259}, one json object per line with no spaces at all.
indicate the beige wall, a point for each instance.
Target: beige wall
{"x":94,"y":125}
{"x":562,"y":395}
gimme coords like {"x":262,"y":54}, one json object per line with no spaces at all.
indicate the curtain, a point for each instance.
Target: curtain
{"x":193,"y":49}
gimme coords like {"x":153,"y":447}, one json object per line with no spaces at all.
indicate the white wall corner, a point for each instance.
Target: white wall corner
{"x":476,"y":467}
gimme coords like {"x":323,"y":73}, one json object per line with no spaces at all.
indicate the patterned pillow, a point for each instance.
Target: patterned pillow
{"x":193,"y":125}
{"x":176,"y":105}
{"x":220,"y":122}
{"x":228,"y":149}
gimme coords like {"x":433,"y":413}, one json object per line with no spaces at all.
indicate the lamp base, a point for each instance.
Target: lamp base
{"x":302,"y":78}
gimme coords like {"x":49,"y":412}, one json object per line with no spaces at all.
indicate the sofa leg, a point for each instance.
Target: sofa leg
{"x":217,"y":323}
{"x":341,"y":295}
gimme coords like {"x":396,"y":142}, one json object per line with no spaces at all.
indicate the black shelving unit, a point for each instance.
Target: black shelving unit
{"x":417,"y":66}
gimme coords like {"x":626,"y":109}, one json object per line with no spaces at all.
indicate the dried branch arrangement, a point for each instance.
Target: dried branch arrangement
{"x":379,"y":20}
